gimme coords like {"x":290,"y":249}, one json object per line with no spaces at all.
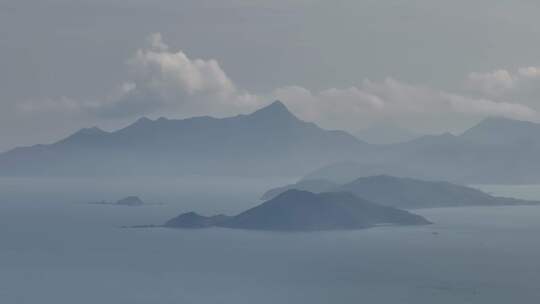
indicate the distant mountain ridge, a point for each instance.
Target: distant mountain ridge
{"x":270,"y":141}
{"x":500,"y":131}
{"x":273,"y":142}
{"x":495,"y":151}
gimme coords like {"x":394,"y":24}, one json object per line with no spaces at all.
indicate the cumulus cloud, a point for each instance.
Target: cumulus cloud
{"x":156,"y":67}
{"x":166,"y":82}
{"x":162,"y":79}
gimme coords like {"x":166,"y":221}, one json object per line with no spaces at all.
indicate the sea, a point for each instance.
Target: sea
{"x":55,"y":248}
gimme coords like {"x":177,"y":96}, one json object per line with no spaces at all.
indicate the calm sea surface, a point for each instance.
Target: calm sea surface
{"x":56,"y":249}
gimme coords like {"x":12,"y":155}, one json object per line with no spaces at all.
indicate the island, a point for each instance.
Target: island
{"x":406,"y":193}
{"x":311,"y":185}
{"x":296,"y":210}
{"x":195,"y":220}
{"x":130,"y":201}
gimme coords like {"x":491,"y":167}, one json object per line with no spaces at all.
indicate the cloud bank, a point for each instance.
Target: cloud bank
{"x":393,"y":101}
{"x":522,"y":84}
{"x":165,"y":82}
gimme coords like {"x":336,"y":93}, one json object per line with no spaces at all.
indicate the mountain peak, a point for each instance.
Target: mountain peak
{"x":143,"y":119}
{"x":275,"y":109}
{"x":90,"y":131}
{"x":83,"y":135}
{"x":278,"y":105}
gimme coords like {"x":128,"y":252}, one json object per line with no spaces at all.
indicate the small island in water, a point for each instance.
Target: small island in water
{"x":129,"y":201}
{"x":296,"y":210}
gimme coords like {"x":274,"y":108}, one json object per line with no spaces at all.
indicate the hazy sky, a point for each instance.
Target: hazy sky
{"x":426,"y":65}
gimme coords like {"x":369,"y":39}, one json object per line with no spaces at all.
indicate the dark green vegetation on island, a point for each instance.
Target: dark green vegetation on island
{"x":296,"y":210}
{"x":406,"y":193}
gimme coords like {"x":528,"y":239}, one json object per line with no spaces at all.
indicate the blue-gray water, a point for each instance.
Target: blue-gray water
{"x":54,"y":249}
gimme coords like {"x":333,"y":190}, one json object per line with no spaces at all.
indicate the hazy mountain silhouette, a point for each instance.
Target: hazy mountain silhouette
{"x":296,"y":210}
{"x":270,"y":141}
{"x":497,"y":150}
{"x":406,"y":193}
{"x":273,"y":142}
{"x":502,"y":131}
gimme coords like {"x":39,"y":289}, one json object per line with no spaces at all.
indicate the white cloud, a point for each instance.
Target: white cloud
{"x":390,"y":100}
{"x":485,"y":107}
{"x":529,"y":72}
{"x":171,"y":80}
{"x":503,"y":83}
{"x":158,"y":68}
{"x":166,"y":82}
{"x":492,"y":83}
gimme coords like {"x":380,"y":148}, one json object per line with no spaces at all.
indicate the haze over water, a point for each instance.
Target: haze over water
{"x":56,"y":249}
{"x":125,"y":125}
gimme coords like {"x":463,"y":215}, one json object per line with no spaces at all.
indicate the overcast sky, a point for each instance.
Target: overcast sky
{"x":426,"y":65}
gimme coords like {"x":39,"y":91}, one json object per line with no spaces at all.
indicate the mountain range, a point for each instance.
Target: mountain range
{"x":273,"y":142}
{"x":495,"y":151}
{"x":270,"y":141}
